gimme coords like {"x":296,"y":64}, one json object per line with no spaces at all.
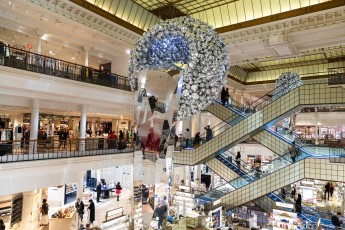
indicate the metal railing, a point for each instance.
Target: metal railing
{"x":29,"y":150}
{"x":33,"y":62}
{"x":337,"y":154}
{"x":336,"y":76}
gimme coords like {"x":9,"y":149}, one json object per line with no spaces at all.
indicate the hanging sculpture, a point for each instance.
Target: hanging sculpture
{"x":285,"y":83}
{"x":186,"y":42}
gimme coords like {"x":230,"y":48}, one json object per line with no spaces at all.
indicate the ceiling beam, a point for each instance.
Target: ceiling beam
{"x":107,"y":15}
{"x":285,"y":15}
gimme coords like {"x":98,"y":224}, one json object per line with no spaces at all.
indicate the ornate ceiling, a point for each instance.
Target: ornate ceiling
{"x":222,"y":14}
{"x":174,"y":8}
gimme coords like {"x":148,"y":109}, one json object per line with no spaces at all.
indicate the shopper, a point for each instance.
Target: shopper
{"x":293,"y":192}
{"x":160,"y":212}
{"x":331,"y":188}
{"x":88,"y":227}
{"x":336,"y":220}
{"x":121,"y":135}
{"x":283,"y":193}
{"x":238,"y":160}
{"x":188,"y":138}
{"x":293,"y":151}
{"x":63,"y":136}
{"x":98,"y":190}
{"x":2,"y":225}
{"x":327,"y":190}
{"x":227,"y":95}
{"x":196,"y":140}
{"x":92,"y":211}
{"x":222,"y":96}
{"x":79,"y":205}
{"x":118,"y":189}
{"x":111,"y":140}
{"x":153,"y":102}
{"x":298,"y":204}
{"x":175,"y":141}
{"x":44,"y":211}
{"x":209,"y":133}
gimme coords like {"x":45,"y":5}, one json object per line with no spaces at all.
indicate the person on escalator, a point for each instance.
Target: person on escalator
{"x":227,"y":95}
{"x":336,"y":220}
{"x":298,"y":204}
{"x":209,"y":133}
{"x":222,"y":96}
{"x":238,"y":160}
{"x":283,"y":193}
{"x":327,"y":190}
{"x":293,"y":151}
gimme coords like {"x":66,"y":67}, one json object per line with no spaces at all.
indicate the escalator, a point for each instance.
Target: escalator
{"x":266,"y":112}
{"x":278,"y":140}
{"x":255,"y":187}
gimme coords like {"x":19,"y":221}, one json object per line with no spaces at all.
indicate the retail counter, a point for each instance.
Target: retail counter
{"x":63,"y":223}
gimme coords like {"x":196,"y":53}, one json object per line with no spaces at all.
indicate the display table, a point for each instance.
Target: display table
{"x":193,"y":222}
{"x":178,"y":225}
{"x":63,"y":223}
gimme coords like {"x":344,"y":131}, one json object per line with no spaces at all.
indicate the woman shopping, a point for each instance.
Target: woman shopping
{"x":118,"y":189}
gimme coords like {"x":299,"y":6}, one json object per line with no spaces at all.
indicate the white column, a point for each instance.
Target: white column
{"x":82,"y":128}
{"x":316,"y":127}
{"x":199,"y":176}
{"x":80,"y":186}
{"x":86,"y":53}
{"x":30,"y":216}
{"x":39,"y":43}
{"x":35,"y":111}
{"x":188,"y":176}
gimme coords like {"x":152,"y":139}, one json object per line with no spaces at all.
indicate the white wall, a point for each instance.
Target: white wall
{"x":252,"y":149}
{"x":31,"y":175}
{"x":321,"y":118}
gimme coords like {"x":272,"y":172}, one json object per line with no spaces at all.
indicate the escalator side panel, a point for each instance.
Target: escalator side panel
{"x":309,"y":168}
{"x":272,"y":142}
{"x":221,"y":169}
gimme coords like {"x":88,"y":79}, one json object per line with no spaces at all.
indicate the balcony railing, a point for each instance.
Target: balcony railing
{"x":33,"y":62}
{"x":336,"y":76}
{"x":17,"y":151}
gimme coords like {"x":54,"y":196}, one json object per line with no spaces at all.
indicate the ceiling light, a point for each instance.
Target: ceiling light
{"x":72,"y":58}
{"x":44,"y":37}
{"x":128,"y":51}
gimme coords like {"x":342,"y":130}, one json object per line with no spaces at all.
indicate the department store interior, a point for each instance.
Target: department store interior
{"x":174,"y":115}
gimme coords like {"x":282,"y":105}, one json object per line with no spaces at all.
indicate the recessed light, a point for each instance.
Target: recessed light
{"x":128,"y":51}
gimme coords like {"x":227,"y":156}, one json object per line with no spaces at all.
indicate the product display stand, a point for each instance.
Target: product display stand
{"x":284,"y":220}
{"x":63,"y":223}
{"x":186,"y":201}
{"x":214,"y":219}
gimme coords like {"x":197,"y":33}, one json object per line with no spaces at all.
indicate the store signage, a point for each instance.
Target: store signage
{"x":181,"y":187}
{"x":114,"y":213}
{"x":216,"y":202}
{"x":284,"y":205}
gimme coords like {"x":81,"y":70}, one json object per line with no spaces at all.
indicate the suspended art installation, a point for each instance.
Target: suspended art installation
{"x":184,"y":42}
{"x":285,"y":83}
